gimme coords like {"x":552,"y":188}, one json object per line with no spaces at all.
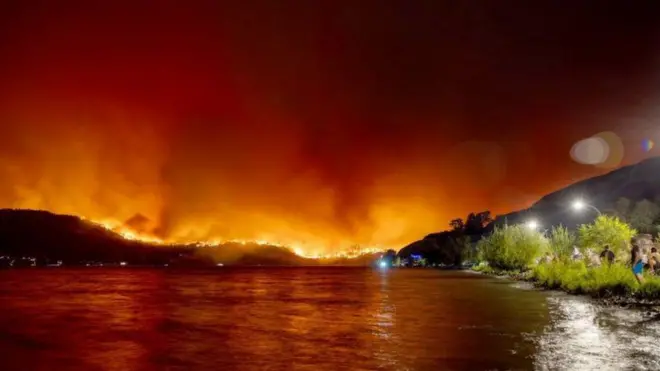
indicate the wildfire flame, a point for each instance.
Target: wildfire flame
{"x":132,"y":235}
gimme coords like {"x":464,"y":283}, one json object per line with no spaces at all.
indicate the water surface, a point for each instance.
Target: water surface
{"x":307,"y":319}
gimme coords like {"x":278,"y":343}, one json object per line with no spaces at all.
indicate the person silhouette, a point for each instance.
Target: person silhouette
{"x":607,"y":254}
{"x":637,"y":262}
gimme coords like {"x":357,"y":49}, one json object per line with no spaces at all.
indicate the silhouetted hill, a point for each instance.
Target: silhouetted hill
{"x":424,"y":246}
{"x":635,"y":182}
{"x":51,"y":237}
{"x":251,"y":254}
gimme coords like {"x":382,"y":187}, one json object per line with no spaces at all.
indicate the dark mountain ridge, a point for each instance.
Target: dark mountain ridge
{"x":50,"y":237}
{"x":634,"y":182}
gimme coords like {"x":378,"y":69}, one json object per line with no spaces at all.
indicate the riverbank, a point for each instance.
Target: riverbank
{"x":610,"y":284}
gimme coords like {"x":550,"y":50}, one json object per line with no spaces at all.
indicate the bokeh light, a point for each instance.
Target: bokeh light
{"x":590,"y":151}
{"x":603,"y":150}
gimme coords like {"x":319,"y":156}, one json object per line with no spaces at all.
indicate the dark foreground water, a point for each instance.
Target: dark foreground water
{"x":307,"y":319}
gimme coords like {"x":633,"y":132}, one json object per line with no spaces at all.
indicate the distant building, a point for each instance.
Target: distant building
{"x":417,"y":260}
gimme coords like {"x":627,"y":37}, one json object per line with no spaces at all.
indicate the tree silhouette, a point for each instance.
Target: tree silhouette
{"x":622,"y":209}
{"x":457,"y":224}
{"x":476,"y":222}
{"x":644,"y":216}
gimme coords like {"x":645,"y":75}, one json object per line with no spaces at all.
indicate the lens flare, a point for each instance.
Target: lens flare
{"x":604,"y":150}
{"x":647,"y":145}
{"x":590,"y":151}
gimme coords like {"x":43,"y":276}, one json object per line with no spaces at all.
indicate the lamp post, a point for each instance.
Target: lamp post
{"x":580,"y":205}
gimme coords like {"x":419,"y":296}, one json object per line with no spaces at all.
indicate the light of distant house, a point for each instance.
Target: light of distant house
{"x":220,"y":264}
{"x":123,"y":264}
{"x":383,"y":264}
{"x":532,"y":224}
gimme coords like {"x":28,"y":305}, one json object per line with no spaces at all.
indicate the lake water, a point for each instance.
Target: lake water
{"x":308,"y":319}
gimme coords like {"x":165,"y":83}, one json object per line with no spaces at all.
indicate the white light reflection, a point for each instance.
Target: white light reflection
{"x":385,"y":340}
{"x":587,"y":336}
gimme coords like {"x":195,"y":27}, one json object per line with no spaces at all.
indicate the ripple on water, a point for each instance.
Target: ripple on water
{"x":584,"y":335}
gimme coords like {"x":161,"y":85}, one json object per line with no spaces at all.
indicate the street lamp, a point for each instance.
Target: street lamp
{"x":580,"y":205}
{"x":532,"y":224}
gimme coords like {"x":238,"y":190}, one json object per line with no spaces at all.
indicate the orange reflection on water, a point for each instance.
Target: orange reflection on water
{"x":89,"y":321}
{"x":263,"y":318}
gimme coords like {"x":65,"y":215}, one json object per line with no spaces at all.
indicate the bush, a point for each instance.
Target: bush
{"x":483,"y":268}
{"x":561,"y":242}
{"x":606,"y":230}
{"x":512,"y":247}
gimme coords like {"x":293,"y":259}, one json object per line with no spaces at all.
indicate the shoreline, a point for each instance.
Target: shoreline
{"x":613,"y":300}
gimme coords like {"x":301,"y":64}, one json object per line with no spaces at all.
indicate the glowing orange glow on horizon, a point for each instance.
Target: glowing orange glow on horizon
{"x":297,"y":249}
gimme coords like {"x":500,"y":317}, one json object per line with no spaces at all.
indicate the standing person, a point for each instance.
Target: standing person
{"x":576,"y":253}
{"x":654,"y":259}
{"x":637,"y":262}
{"x":607,"y":254}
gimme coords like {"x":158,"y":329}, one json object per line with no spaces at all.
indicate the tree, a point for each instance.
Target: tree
{"x":457,"y":224}
{"x":606,"y":230}
{"x":458,"y":249}
{"x":463,"y":249}
{"x":475,"y":223}
{"x":644,"y":217}
{"x":622,"y":209}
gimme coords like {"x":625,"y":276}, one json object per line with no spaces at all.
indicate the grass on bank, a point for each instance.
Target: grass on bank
{"x":605,"y":281}
{"x":602,"y":282}
{"x":487,"y":269}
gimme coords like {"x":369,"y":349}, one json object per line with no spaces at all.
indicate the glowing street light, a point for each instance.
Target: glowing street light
{"x":383,"y":264}
{"x":580,"y":205}
{"x":532,"y":224}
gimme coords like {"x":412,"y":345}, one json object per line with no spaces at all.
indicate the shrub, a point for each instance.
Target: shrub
{"x":512,"y":247}
{"x":483,"y":268}
{"x":606,"y":230}
{"x":561,"y":242}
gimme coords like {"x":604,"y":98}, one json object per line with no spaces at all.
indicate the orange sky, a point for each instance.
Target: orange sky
{"x":325,"y":123}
